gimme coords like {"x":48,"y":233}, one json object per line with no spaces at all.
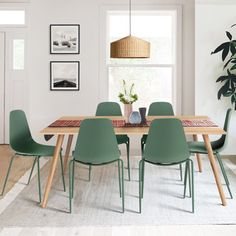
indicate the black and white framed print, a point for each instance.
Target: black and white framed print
{"x":64,"y":39}
{"x":64,"y":75}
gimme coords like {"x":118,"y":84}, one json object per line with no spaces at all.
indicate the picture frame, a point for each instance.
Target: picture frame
{"x":64,"y":39}
{"x":64,"y":75}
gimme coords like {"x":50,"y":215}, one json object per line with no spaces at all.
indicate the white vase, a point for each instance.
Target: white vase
{"x":127,"y":111}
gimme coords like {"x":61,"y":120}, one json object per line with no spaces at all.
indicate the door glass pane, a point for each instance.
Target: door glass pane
{"x":18,"y":54}
{"x":151,"y":84}
{"x":9,"y":17}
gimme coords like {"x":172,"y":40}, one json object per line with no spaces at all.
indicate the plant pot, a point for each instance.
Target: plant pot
{"x":127,"y":111}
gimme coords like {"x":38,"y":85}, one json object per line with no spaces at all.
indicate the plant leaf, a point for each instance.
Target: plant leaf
{"x":229,"y":35}
{"x":233,"y":67}
{"x":232,"y":49}
{"x":220,"y":48}
{"x":227,"y":63}
{"x":225,"y":52}
{"x":222,"y":78}
{"x":223,"y":90}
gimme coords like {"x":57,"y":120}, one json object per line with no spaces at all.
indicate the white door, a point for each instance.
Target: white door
{"x":14,"y":86}
{"x":2,"y":86}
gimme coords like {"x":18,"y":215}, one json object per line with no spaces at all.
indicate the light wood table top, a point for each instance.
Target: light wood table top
{"x":134,"y":130}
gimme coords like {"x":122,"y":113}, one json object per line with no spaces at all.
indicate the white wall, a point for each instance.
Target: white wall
{"x":213,"y":18}
{"x":45,"y":105}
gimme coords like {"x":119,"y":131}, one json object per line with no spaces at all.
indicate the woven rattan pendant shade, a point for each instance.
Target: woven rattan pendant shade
{"x":130,"y":47}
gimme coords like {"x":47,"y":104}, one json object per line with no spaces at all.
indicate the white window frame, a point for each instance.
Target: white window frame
{"x":15,"y":7}
{"x":176,"y":66}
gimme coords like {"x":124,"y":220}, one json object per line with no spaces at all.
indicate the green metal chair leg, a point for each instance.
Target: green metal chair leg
{"x":90,"y":168}
{"x":71,"y":176}
{"x":8,"y":172}
{"x":181,"y":172}
{"x":32,"y":169}
{"x":140,"y":185}
{"x":142,"y":146}
{"x":39,"y":182}
{"x":62,"y":173}
{"x":192,"y":183}
{"x":73,"y":179}
{"x":185,"y":178}
{"x":128,"y":161}
{"x":224,"y":173}
{"x":119,"y":178}
{"x":143,"y":167}
{"x":189,"y":180}
{"x":122,"y":189}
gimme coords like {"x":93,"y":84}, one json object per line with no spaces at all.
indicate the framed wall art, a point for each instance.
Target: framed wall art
{"x":64,"y":39}
{"x":64,"y":75}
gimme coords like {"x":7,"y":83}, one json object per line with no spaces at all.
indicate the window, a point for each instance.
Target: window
{"x":18,"y":54}
{"x":154,"y":77}
{"x":12,"y":17}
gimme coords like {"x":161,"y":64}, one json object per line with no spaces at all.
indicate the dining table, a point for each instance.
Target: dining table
{"x":69,"y":126}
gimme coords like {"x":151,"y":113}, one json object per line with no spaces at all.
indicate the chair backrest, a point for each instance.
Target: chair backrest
{"x":19,"y":130}
{"x":166,"y":142}
{"x":108,"y":109}
{"x":160,"y":109}
{"x":96,"y":143}
{"x":221,"y":143}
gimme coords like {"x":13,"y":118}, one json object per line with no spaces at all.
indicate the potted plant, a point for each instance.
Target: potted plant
{"x":127,"y":97}
{"x":228,"y":78}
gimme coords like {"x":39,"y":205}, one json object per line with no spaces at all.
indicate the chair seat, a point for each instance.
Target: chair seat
{"x":35,"y":149}
{"x":199,"y":147}
{"x":122,"y":139}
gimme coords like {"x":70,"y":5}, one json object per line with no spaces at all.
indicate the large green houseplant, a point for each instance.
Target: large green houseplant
{"x":228,"y":78}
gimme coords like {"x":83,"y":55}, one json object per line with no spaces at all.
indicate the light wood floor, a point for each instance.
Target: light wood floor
{"x":19,"y":168}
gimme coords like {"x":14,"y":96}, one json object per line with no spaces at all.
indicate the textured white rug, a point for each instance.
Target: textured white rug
{"x":98,"y":203}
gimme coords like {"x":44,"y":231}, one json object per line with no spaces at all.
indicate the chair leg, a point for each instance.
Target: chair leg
{"x":39,"y":182}
{"x":128,"y":161}
{"x":8,"y":172}
{"x":71,"y":177}
{"x":140,"y":185}
{"x":189,"y":180}
{"x":90,"y":168}
{"x":32,"y":169}
{"x":62,"y":173}
{"x":122,"y":185}
{"x":185,"y":178}
{"x":143,"y":167}
{"x":142,"y":146}
{"x":192,"y":183}
{"x":181,"y":171}
{"x":119,"y":178}
{"x":224,"y":173}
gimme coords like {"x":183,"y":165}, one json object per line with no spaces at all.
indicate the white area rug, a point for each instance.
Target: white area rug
{"x":98,"y":203}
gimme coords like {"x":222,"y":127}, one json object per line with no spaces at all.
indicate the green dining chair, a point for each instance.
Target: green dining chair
{"x":113,"y":109}
{"x":166,"y":145}
{"x":96,"y":145}
{"x":23,"y":144}
{"x":217,"y":147}
{"x":160,"y":109}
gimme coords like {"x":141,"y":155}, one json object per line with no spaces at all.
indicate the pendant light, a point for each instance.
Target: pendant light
{"x":130,"y":46}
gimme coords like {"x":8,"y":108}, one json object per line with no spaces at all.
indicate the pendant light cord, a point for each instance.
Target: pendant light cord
{"x":130,"y":17}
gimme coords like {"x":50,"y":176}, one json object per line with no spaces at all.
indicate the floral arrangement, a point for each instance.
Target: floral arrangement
{"x":128,"y":96}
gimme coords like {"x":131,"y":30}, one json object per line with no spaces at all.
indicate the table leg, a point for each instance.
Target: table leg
{"x":199,"y":161}
{"x":214,"y":168}
{"x":67,"y":154}
{"x":52,"y":169}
